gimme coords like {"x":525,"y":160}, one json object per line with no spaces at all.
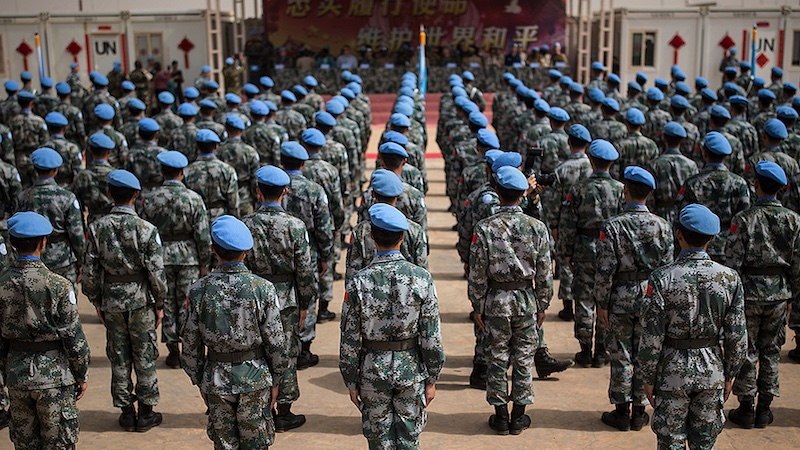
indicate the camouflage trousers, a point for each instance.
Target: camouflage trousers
{"x":179,"y":280}
{"x":586,"y":322}
{"x":44,"y":418}
{"x":479,"y":358}
{"x":309,"y":331}
{"x":289,"y":390}
{"x":565,"y":277}
{"x":393,"y":419}
{"x":241,"y":421}
{"x":695,"y":417}
{"x":511,"y":341}
{"x":622,"y":341}
{"x":794,"y":316}
{"x":131,"y":344}
{"x":766,"y":333}
{"x":326,"y":281}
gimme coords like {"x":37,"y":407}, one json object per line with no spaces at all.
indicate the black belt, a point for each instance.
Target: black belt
{"x":214,"y":205}
{"x":685,"y":344}
{"x":631,"y":276}
{"x":43,"y":346}
{"x":774,"y":270}
{"x":589,"y":232}
{"x":178,"y":237}
{"x":510,"y":285}
{"x":236,"y":357}
{"x":57,"y":237}
{"x":280,"y":278}
{"x":390,"y":346}
{"x":128,"y":278}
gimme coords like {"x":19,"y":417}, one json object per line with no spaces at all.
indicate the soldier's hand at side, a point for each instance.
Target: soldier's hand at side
{"x":568,"y":260}
{"x":274,"y":397}
{"x":81,"y":390}
{"x":80,"y":275}
{"x":430,"y":393}
{"x":602,"y":316}
{"x":355,"y":398}
{"x":100,"y":315}
{"x":323,"y":268}
{"x":479,"y":321}
{"x":648,"y":391}
{"x":303,"y":315}
{"x":159,"y":316}
{"x":728,"y":389}
{"x":540,"y":318}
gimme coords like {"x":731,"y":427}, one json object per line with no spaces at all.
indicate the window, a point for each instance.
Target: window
{"x":643,"y":52}
{"x":796,"y":48}
{"x":149,"y":44}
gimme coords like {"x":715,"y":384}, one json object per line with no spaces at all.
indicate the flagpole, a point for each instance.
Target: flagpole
{"x":753,"y":51}
{"x":39,"y":55}
{"x":423,"y":69}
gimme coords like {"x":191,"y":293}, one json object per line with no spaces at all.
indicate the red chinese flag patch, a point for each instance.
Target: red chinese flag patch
{"x":682,"y":191}
{"x":474,"y":238}
{"x":649,"y":290}
{"x":569,"y":197}
{"x":346,"y":296}
{"x":747,"y":168}
{"x":733,"y":228}
{"x":602,"y":236}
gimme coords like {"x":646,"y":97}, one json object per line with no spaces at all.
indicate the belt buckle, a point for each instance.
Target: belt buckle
{"x":237,"y":358}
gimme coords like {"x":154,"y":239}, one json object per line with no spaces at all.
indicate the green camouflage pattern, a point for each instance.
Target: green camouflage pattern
{"x":671,"y":170}
{"x":245,"y":160}
{"x":292,"y":121}
{"x":634,"y":150}
{"x":267,"y":138}
{"x":216,"y":182}
{"x":91,"y":188}
{"x":362,"y":251}
{"x":143,"y":162}
{"x":72,"y":156}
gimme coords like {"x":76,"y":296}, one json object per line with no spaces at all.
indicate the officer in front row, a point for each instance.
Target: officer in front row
{"x":40,"y":328}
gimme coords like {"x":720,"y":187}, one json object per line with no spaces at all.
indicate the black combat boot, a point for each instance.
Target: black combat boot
{"x":620,"y":418}
{"x":147,"y":418}
{"x":639,"y":418}
{"x":477,"y":379}
{"x":744,"y":415}
{"x":285,"y":420}
{"x":546,"y":364}
{"x":324,"y":315}
{"x":174,"y":356}
{"x":763,"y":413}
{"x":584,"y":357}
{"x":568,"y":313}
{"x":127,"y":420}
{"x":4,"y":418}
{"x":306,"y":359}
{"x":519,"y":420}
{"x":600,"y":356}
{"x":499,"y":420}
{"x":794,"y":354}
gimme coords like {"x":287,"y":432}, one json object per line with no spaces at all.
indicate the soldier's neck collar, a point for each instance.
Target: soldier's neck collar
{"x":100,"y":160}
{"x":673,"y":149}
{"x":294,"y":172}
{"x":28,"y":258}
{"x":46,"y":179}
{"x":234,"y":263}
{"x":691,"y":251}
{"x":767,"y":198}
{"x":272,"y":204}
{"x":57,"y":135}
{"x":206,"y":155}
{"x":26,"y":110}
{"x":714,"y":165}
{"x":387,"y":252}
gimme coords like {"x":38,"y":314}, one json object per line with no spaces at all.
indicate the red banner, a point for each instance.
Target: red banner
{"x":393,"y":23}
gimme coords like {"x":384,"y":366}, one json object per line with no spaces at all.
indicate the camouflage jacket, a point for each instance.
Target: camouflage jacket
{"x":76,"y":129}
{"x":610,"y":130}
{"x":671,"y":170}
{"x":572,"y":170}
{"x":413,"y":176}
{"x":653,"y":127}
{"x":245,"y":160}
{"x":122,"y":244}
{"x":362,"y":248}
{"x":10,"y":190}
{"x":130,"y":131}
{"x":121,"y":153}
{"x":143,"y":162}
{"x":97,"y":97}
{"x":735,"y":162}
{"x":29,"y":131}
{"x":532,"y":133}
{"x":336,"y":155}
{"x":634,"y":150}
{"x":91,"y":188}
{"x":45,"y":103}
{"x":208,"y":123}
{"x":183,"y":140}
{"x":578,"y":112}
{"x":232,"y":310}
{"x":267,"y":139}
{"x":390,"y":300}
{"x":7,"y":146}
{"x":555,"y":149}
{"x":411,"y":203}
{"x":307,"y":201}
{"x":327,"y":176}
{"x":72,"y":156}
{"x":791,"y":196}
{"x":216,"y":182}
{"x":168,"y":121}
{"x":745,"y":132}
{"x":292,"y":121}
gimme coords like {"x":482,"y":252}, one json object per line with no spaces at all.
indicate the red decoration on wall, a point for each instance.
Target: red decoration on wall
{"x":727,"y":42}
{"x":186,"y":46}
{"x":24,"y":49}
{"x":74,"y":49}
{"x":676,"y":43}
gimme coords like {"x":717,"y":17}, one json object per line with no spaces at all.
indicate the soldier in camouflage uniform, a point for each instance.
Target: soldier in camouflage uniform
{"x":40,"y":327}
{"x":313,"y":98}
{"x":182,"y":138}
{"x":632,"y":98}
{"x":64,"y":255}
{"x":635,"y":149}
{"x":244,"y":159}
{"x":30,"y":132}
{"x":588,"y":204}
{"x":281,"y":254}
{"x":142,"y":160}
{"x":288,"y":118}
{"x":124,"y":278}
{"x":232,"y":74}
{"x":234,"y":347}
{"x":130,"y":129}
{"x":774,"y":133}
{"x":551,"y":90}
{"x":671,"y":170}
{"x":411,"y":201}
{"x":46,"y":101}
{"x":554,"y":145}
{"x":98,"y":96}
{"x":632,"y":245}
{"x":78,"y":92}
{"x":6,"y":144}
{"x":232,"y":104}
{"x":693,"y":337}
{"x":306,"y":110}
{"x":776,"y":76}
{"x":701,"y":119}
{"x":473,"y":93}
{"x":214,"y":180}
{"x":265,"y":135}
{"x":416,"y":155}
{"x":718,"y":118}
{"x":763,"y":247}
{"x":210,"y":92}
{"x":391,"y":353}
{"x":167,"y":120}
{"x":104,"y":115}
{"x":267,"y":94}
{"x":766,"y":111}
{"x":206,"y":120}
{"x":474,"y":175}
{"x":76,"y":130}
{"x":10,"y":189}
{"x":91,"y":183}
{"x":510,"y":286}
{"x":128,"y":94}
{"x":536,"y":129}
{"x":115,"y":78}
{"x":10,"y":106}
{"x":790,"y":145}
{"x":740,"y":127}
{"x":181,"y":218}
{"x":71,"y":153}
{"x":609,"y":129}
{"x":578,"y":111}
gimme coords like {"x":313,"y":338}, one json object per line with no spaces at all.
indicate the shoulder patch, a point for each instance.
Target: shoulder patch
{"x":602,"y":236}
{"x":3,"y":249}
{"x":682,"y":191}
{"x":76,"y":204}
{"x":649,"y":290}
{"x":158,"y":238}
{"x":422,"y":202}
{"x":733,"y":228}
{"x":486,"y":199}
{"x":747,"y":168}
{"x":346,"y":296}
{"x":125,"y":142}
{"x":80,"y":115}
{"x":474,"y":238}
{"x":569,"y":197}
{"x":72,"y":299}
{"x":19,"y":179}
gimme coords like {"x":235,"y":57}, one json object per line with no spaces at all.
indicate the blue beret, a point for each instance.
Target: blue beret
{"x":25,"y":76}
{"x":346,"y":75}
{"x":682,"y":88}
{"x":596,"y":95}
{"x":56,"y":119}
{"x":166,"y":98}
{"x":310,"y":81}
{"x":124,"y":179}
{"x":634,"y":116}
{"x":478,"y":119}
{"x":641,"y":77}
{"x":613,"y":78}
{"x":541,"y":105}
{"x":675,"y":69}
{"x":46,"y":158}
{"x":516,"y":82}
{"x":772,"y":171}
{"x":186,"y":109}
{"x":325,"y":118}
{"x":397,"y":138}
{"x":272,"y":176}
{"x":355,"y":87}
{"x":266,"y":82}
{"x":553,"y":73}
{"x":730,"y":87}
{"x":456,"y":83}
{"x":104,"y":111}
{"x":579,"y":131}
{"x":786,"y":112}
{"x":739,"y":100}
{"x":511,"y":178}
{"x":205,"y":69}
{"x":211,"y":84}
{"x":597,"y":65}
{"x":635,"y":86}
{"x":400,"y":120}
{"x":639,"y":175}
{"x":730,"y":69}
{"x":25,"y":95}
{"x":149,"y":125}
{"x":46,"y":82}
{"x":63,"y":88}
{"x":602,"y":149}
{"x":229,"y":60}
{"x":100,"y":80}
{"x":100,"y":140}
{"x":766,"y":94}
{"x":488,"y":138}
{"x":250,"y":89}
{"x":576,"y":88}
{"x":403,"y":91}
{"x":173,"y":159}
{"x":654,"y":94}
{"x":345,"y":102}
{"x":796,"y":102}
{"x":558,"y":114}
{"x":191,"y":93}
{"x":775,"y":129}
{"x":507,"y":159}
{"x":407,"y":100}
{"x":270,"y":106}
{"x":674,"y":129}
{"x":386,"y":183}
{"x":233,"y":99}
{"x":508,"y":76}
{"x":701,"y":82}
{"x":699,"y":219}
{"x":347,"y":93}
{"x":733,"y":51}
{"x":29,"y":224}
{"x":758,"y":81}
{"x":259,"y":108}
{"x":679,"y":101}
{"x":609,"y":102}
{"x":128,"y":86}
{"x":719,"y":111}
{"x":709,"y":94}
{"x":789,"y":86}
{"x":334,"y":107}
{"x":93,"y":74}
{"x":390,"y":148}
{"x":288,"y":95}
{"x":467,"y":75}
{"x":565,"y":80}
{"x":387,"y":217}
{"x":716,"y":143}
{"x":293,"y":149}
{"x":491,"y":155}
{"x":73,"y":65}
{"x":299,"y":90}
{"x":313,"y":136}
{"x":662,"y":82}
{"x":777,"y":72}
{"x":231,"y":234}
{"x":404,"y":109}
{"x":206,"y":136}
{"x":206,"y":103}
{"x":745,"y":65}
{"x":234,"y":121}
{"x":546,"y":47}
